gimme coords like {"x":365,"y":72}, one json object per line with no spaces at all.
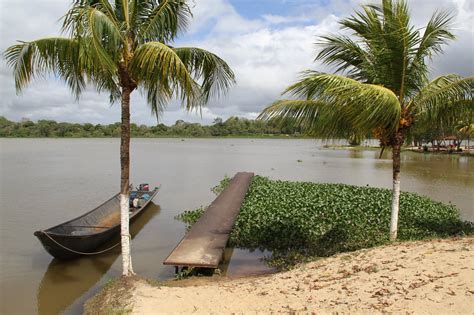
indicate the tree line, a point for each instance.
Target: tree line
{"x":233,"y":126}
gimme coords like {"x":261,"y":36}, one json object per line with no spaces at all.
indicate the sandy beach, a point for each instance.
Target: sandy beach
{"x":424,"y":277}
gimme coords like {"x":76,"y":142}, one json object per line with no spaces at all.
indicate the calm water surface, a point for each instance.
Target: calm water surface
{"x":47,"y":181}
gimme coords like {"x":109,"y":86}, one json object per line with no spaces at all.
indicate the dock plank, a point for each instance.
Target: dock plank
{"x":204,"y":244}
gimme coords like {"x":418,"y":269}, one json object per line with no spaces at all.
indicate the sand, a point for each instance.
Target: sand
{"x":427,"y":277}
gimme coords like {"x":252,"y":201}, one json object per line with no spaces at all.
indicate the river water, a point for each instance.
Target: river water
{"x":48,"y":181}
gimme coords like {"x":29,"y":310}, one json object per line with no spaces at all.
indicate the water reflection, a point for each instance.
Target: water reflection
{"x":66,"y":281}
{"x":433,"y":167}
{"x":238,"y":262}
{"x":356,"y":154}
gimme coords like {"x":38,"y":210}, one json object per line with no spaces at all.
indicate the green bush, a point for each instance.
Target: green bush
{"x":296,"y":220}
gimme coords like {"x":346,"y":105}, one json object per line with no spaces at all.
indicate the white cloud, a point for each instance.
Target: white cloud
{"x":265,"y":60}
{"x":266,"y":54}
{"x":279,"y":19}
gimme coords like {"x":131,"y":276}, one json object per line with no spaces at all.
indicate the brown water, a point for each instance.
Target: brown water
{"x":47,"y":181}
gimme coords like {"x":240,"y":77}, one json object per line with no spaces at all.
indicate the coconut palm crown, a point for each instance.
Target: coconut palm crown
{"x":381,"y":85}
{"x":118,"y":47}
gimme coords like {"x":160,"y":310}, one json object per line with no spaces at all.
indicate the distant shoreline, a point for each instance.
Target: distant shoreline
{"x":405,"y":148}
{"x":232,"y":127}
{"x":179,"y":137}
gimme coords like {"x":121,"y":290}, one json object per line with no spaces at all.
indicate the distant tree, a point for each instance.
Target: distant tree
{"x":6,"y":127}
{"x":159,"y":129}
{"x":26,"y":123}
{"x":217,"y":121}
{"x":47,"y":128}
{"x":235,"y":127}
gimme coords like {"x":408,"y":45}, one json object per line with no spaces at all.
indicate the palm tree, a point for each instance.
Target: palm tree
{"x":382,"y":86}
{"x":120,"y":46}
{"x":466,"y":129}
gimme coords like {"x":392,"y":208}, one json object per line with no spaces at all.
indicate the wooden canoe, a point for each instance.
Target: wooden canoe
{"x":84,"y":235}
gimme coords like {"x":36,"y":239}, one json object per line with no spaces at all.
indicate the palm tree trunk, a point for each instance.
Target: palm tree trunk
{"x":396,"y":191}
{"x":127,"y":269}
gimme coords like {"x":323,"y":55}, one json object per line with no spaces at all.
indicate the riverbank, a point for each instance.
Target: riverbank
{"x":434,"y":276}
{"x":430,"y":150}
{"x":262,"y":136}
{"x":353,"y":147}
{"x":443,"y":151}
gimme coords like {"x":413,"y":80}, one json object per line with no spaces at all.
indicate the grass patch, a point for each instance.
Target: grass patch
{"x":298,"y":221}
{"x":114,"y":298}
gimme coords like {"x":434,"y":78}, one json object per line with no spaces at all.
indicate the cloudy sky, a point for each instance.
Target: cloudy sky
{"x":266,"y":42}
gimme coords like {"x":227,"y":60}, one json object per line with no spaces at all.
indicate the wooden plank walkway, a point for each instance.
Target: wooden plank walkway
{"x":204,"y":244}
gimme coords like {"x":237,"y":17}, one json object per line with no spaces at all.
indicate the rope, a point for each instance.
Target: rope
{"x":80,"y":253}
{"x":90,"y":226}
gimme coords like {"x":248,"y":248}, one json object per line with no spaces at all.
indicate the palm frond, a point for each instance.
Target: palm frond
{"x":388,"y":44}
{"x":126,"y":13}
{"x":139,"y":10}
{"x":346,"y":54}
{"x":366,"y":106}
{"x":314,"y":117}
{"x":436,"y":34}
{"x":164,"y":22}
{"x":54,"y":55}
{"x":107,"y":39}
{"x":214,"y":74}
{"x":443,"y":98}
{"x":100,"y":24}
{"x":69,"y":59}
{"x":105,"y":7}
{"x":159,"y":71}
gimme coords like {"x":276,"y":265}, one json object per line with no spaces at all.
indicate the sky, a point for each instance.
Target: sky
{"x":266,"y":43}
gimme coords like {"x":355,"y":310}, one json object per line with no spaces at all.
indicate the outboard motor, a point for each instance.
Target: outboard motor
{"x":143,"y":187}
{"x":133,"y":195}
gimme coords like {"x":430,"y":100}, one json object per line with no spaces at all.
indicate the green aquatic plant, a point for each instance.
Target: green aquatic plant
{"x":297,"y":221}
{"x":222,"y":185}
{"x":190,"y":216}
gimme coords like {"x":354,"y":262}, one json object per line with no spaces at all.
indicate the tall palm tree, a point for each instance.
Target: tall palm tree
{"x":382,"y":83}
{"x":120,"y":46}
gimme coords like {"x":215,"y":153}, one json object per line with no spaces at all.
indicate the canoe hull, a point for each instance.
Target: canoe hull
{"x":65,"y":245}
{"x":82,"y":243}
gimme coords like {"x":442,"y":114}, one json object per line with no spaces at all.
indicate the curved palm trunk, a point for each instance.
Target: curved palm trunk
{"x":396,"y":191}
{"x":127,"y":269}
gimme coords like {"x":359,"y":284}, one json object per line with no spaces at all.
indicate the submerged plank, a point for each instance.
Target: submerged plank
{"x":204,"y":244}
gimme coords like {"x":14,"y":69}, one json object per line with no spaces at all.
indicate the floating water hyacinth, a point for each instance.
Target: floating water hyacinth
{"x":297,"y":220}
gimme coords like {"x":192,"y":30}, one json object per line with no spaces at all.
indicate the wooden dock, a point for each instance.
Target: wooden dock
{"x":204,"y":244}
